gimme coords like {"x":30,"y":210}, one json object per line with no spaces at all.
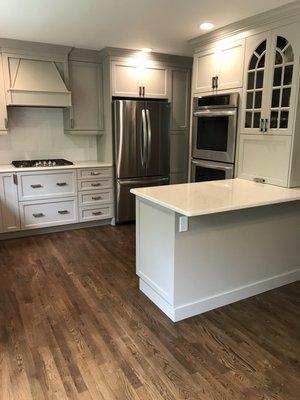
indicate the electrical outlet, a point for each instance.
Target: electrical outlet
{"x":183,"y":224}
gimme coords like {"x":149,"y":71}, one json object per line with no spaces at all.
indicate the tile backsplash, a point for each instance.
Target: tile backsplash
{"x":38,"y":133}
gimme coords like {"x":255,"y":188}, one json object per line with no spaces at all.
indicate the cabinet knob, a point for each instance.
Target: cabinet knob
{"x":61,"y":184}
{"x":94,"y":173}
{"x":63,"y":212}
{"x":95,"y":184}
{"x":96,"y":198}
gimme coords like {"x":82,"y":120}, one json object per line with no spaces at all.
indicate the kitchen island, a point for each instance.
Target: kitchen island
{"x":203,"y":245}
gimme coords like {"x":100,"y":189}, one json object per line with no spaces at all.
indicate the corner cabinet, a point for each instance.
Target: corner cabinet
{"x":129,"y":80}
{"x":269,"y":105}
{"x":219,"y":67}
{"x":86,"y":114}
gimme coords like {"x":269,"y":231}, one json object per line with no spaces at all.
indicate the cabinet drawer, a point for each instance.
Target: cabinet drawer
{"x":89,"y":213}
{"x":39,"y":214}
{"x":52,"y":184}
{"x":95,"y":184}
{"x":94,"y":173}
{"x":95,"y":197}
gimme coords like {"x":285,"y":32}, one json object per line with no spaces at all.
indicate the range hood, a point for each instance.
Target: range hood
{"x":32,"y":81}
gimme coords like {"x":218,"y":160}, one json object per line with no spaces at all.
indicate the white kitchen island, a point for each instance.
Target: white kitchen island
{"x":203,"y":245}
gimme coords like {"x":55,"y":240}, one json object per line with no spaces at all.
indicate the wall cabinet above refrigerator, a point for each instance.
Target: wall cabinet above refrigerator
{"x":130,"y":80}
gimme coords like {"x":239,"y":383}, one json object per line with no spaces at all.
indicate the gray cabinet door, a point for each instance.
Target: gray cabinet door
{"x":180,"y":99}
{"x":86,"y":115}
{"x":125,"y":80}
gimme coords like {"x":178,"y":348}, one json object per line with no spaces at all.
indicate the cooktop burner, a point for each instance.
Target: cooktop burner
{"x":41,"y":163}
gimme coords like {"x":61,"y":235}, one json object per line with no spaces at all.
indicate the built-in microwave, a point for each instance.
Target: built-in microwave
{"x":215,"y":127}
{"x":203,"y":170}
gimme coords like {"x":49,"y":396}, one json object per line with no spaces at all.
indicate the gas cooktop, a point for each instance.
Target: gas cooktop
{"x":41,"y":163}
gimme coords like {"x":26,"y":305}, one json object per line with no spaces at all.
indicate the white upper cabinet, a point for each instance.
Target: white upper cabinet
{"x":219,"y":68}
{"x":230,"y":58}
{"x":86,"y":114}
{"x":128,"y":80}
{"x":205,"y":70}
{"x":270,"y":89}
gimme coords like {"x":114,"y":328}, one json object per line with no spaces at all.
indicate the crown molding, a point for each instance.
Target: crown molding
{"x":289,"y":12}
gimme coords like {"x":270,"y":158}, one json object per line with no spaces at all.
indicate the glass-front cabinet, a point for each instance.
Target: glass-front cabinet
{"x":269,"y":104}
{"x":270,"y":85}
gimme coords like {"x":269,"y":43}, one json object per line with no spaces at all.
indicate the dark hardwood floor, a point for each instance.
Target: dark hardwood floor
{"x":75,"y":326}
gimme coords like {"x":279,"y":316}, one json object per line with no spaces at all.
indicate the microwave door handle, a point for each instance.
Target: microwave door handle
{"x":221,"y":113}
{"x":149,"y":135}
{"x":143,"y":138}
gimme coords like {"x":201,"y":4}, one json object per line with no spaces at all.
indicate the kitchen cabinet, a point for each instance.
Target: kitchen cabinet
{"x":269,"y":106}
{"x":266,"y":158}
{"x":219,"y":67}
{"x":86,"y":114}
{"x":271,"y":76}
{"x":180,"y":99}
{"x":129,"y":80}
{"x":9,"y":202}
{"x":3,"y":109}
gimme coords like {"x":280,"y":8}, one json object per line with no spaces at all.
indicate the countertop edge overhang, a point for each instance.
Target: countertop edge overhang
{"x":195,"y":199}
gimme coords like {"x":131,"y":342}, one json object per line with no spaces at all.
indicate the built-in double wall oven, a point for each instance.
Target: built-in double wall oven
{"x":214,"y":137}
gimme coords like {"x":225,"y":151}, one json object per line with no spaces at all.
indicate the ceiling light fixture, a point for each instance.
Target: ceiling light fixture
{"x":206,"y":26}
{"x":146,"y":50}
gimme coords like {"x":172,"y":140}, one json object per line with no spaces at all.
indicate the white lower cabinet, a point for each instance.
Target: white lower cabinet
{"x":9,"y":202}
{"x":41,"y":199}
{"x":92,"y":213}
{"x":44,"y":213}
{"x":95,"y":197}
{"x":46,"y":185}
{"x":265,"y":157}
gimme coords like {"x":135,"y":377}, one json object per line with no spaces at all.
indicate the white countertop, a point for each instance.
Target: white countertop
{"x":77,"y":164}
{"x":193,"y":199}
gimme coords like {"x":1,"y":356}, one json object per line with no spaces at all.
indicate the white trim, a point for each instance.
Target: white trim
{"x":203,"y":305}
{"x":279,"y":16}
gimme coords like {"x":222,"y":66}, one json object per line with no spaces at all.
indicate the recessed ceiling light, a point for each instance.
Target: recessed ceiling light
{"x":206,"y":26}
{"x":146,"y":50}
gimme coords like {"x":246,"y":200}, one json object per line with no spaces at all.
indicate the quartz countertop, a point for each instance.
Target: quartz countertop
{"x":76,"y":165}
{"x":193,"y":199}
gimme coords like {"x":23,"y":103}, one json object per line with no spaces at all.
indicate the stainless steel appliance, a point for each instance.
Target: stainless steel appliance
{"x":141,"y":150}
{"x":214,"y":127}
{"x":57,"y":162}
{"x":214,"y":137}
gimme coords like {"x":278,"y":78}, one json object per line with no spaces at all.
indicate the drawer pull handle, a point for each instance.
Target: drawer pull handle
{"x":96,"y":198}
{"x":96,"y":184}
{"x":61,"y":184}
{"x":38,"y":186}
{"x":94,"y":173}
{"x":38,"y":215}
{"x":63,"y":212}
{"x":97,"y":213}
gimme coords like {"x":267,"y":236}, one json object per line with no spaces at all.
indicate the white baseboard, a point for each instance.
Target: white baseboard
{"x":221,"y":299}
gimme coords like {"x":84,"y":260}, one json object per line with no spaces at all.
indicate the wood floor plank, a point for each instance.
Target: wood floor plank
{"x":74,"y":325}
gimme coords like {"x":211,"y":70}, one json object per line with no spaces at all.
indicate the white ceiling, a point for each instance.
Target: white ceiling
{"x":164,"y":25}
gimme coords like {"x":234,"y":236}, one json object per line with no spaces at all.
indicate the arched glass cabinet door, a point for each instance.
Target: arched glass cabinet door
{"x":283,"y":71}
{"x":254,"y":88}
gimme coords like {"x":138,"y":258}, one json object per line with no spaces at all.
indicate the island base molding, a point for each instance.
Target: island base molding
{"x":221,"y":259}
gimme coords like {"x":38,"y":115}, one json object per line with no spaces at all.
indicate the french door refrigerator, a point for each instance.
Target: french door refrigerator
{"x":141,"y":150}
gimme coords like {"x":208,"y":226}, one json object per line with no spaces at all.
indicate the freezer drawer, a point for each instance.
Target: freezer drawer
{"x":125,"y":201}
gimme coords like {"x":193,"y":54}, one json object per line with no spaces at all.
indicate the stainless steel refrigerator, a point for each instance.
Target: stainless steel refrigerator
{"x":141,"y":150}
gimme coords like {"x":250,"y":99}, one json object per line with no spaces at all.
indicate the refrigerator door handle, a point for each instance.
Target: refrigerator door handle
{"x":149,"y":136}
{"x":144,"y":138}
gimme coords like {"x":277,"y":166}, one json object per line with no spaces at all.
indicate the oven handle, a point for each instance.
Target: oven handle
{"x":212,"y":166}
{"x":220,"y":113}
